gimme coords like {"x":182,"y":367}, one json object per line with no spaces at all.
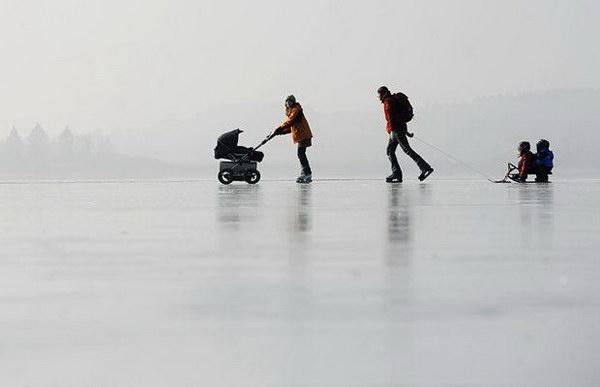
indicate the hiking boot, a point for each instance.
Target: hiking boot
{"x":425,"y":174}
{"x":394,"y":178}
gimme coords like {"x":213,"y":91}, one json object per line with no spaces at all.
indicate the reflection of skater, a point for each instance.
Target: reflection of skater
{"x":302,"y":221}
{"x":398,"y":112}
{"x":300,"y":244}
{"x":297,"y":125}
{"x":398,"y":216}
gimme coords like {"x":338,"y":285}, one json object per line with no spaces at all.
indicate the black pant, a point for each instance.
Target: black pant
{"x":304,"y":160}
{"x":541,"y":173}
{"x":401,"y":139}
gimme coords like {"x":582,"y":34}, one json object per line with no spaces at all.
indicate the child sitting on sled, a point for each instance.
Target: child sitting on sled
{"x":544,"y":161}
{"x":539,"y":164}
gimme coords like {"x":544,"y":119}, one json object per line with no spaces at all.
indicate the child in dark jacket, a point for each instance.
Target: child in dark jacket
{"x":544,"y":161}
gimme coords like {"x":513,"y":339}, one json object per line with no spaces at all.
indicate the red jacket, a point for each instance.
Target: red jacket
{"x":526,"y":162}
{"x":392,"y":115}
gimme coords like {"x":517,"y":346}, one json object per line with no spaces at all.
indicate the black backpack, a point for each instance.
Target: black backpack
{"x":405,"y":109}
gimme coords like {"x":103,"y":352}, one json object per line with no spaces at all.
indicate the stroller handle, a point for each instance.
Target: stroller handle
{"x":266,"y":140}
{"x":263,"y":142}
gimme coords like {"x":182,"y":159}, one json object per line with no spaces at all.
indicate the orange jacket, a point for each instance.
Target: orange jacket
{"x":296,"y":124}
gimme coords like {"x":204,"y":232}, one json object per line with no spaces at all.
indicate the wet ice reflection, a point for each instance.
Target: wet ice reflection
{"x":399,"y":203}
{"x":334,"y":283}
{"x":536,"y":212}
{"x":237,"y":205}
{"x":301,"y":218}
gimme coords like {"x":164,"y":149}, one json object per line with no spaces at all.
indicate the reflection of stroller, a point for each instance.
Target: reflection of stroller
{"x":242,"y":164}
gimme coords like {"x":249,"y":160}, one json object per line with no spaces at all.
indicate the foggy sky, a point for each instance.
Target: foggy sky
{"x":119,"y":65}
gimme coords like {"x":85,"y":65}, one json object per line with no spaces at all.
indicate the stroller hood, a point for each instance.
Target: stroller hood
{"x":227,"y":148}
{"x":227,"y":143}
{"x":230,"y":138}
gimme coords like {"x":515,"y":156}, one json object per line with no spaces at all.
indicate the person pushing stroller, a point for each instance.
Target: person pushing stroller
{"x":398,"y":112}
{"x":297,"y":125}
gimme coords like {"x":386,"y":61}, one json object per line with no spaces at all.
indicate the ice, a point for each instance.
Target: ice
{"x":338,"y":283}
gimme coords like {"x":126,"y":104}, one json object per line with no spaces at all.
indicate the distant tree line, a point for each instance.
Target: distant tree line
{"x":72,"y":156}
{"x":67,"y":147}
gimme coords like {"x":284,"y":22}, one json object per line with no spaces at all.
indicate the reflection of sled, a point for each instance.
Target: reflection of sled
{"x":514,"y":177}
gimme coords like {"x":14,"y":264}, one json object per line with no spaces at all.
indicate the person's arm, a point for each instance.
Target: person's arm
{"x":286,"y":126}
{"x":291,"y":120}
{"x":282,"y":130}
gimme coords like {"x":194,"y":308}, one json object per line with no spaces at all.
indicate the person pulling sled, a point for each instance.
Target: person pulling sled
{"x":398,"y":112}
{"x":296,"y":124}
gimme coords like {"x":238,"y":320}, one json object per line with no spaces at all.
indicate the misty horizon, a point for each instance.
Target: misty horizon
{"x":163,"y":79}
{"x":528,"y":116}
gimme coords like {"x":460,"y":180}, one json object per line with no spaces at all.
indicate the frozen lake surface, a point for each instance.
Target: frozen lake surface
{"x":340,"y":283}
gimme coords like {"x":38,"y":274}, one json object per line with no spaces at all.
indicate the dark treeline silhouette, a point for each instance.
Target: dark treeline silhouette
{"x":70,"y":155}
{"x":37,"y":147}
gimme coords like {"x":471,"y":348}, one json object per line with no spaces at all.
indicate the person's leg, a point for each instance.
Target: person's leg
{"x":541,"y":174}
{"x":422,"y":164}
{"x":391,"y":154}
{"x":304,"y":160}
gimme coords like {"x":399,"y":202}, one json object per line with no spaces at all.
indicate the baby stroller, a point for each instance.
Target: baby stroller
{"x":241,"y":164}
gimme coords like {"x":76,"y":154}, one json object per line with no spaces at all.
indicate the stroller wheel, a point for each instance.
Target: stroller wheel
{"x":225,"y":176}
{"x":252,"y":176}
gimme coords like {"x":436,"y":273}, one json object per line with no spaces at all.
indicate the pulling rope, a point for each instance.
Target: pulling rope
{"x":455,"y":159}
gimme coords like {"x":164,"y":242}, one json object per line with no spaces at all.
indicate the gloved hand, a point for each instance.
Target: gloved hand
{"x":277,"y":131}
{"x":409,"y":134}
